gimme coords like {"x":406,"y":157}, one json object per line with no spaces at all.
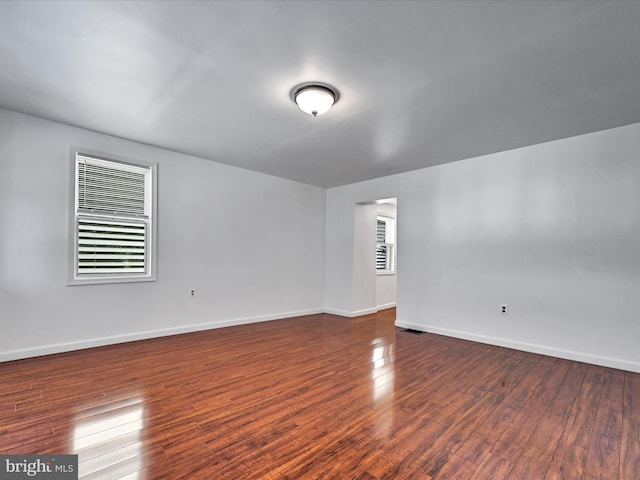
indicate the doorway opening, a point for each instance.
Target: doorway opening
{"x":376,"y":253}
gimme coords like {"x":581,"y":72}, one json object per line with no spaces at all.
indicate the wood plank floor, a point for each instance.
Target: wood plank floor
{"x":322,"y":397}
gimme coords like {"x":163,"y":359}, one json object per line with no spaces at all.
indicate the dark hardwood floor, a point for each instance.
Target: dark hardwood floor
{"x":322,"y":397}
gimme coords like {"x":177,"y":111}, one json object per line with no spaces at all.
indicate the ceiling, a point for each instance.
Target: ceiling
{"x":421,"y":83}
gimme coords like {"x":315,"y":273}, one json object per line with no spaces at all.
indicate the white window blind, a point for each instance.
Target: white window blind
{"x":384,"y":244}
{"x":112,"y":220}
{"x":110,"y":187}
{"x":111,"y":246}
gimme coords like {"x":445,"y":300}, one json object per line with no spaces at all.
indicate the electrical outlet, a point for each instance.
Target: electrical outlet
{"x":192,"y":293}
{"x":504,"y":309}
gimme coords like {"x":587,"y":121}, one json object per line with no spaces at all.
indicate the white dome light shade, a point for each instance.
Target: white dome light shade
{"x":314,"y":99}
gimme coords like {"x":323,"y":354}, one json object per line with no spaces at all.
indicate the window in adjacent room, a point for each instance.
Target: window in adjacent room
{"x":114,"y":218}
{"x":384,"y":245}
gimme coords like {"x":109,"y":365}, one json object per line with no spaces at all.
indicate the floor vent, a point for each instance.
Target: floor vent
{"x":415,"y":332}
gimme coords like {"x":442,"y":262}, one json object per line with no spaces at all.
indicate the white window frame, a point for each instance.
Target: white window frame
{"x":114,"y":218}
{"x":388,"y":245}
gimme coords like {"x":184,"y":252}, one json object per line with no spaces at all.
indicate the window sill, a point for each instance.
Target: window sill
{"x":385,"y":272}
{"x":109,"y":280}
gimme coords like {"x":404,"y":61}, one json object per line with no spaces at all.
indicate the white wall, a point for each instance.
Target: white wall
{"x":364,"y":265}
{"x":386,"y":283}
{"x":251,"y":244}
{"x":553,"y":230}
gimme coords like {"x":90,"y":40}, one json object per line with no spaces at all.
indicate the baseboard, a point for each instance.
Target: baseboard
{"x":131,"y":337}
{"x":528,"y":347}
{"x":386,"y":306}
{"x":350,"y":313}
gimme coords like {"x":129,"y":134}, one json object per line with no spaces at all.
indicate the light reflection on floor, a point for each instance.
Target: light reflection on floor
{"x":383,"y":374}
{"x":104,"y":442}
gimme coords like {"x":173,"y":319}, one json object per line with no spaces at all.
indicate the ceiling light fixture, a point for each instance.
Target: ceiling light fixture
{"x":314,"y":98}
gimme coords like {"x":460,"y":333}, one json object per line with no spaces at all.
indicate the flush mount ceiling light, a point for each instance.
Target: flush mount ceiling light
{"x":314,"y":98}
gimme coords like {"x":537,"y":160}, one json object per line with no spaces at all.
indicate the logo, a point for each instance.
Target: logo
{"x":49,"y":467}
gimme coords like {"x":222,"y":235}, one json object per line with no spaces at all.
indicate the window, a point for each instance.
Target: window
{"x":113,"y":221}
{"x":384,"y":245}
